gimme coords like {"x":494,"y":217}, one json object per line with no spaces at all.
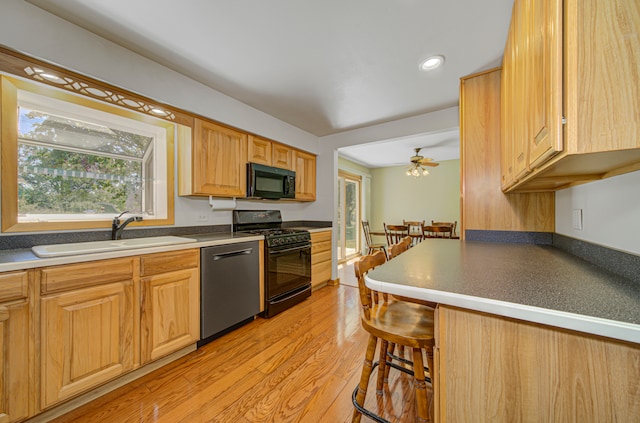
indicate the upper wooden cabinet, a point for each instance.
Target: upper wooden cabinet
{"x":213,"y":161}
{"x":305,"y":168}
{"x":282,"y":156}
{"x":259,"y":150}
{"x":270,"y":153}
{"x":483,"y":204}
{"x":578,"y":60}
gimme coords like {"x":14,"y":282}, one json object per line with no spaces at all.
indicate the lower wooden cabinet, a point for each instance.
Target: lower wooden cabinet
{"x":98,"y":321}
{"x":497,"y":369}
{"x":86,"y":334}
{"x":170,"y":305}
{"x":320,"y":258}
{"x":87,"y":339}
{"x":17,"y":357}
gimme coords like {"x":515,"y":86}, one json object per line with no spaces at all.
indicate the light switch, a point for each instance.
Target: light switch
{"x":577,"y":219}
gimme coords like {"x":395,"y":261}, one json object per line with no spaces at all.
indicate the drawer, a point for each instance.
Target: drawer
{"x":320,"y":273}
{"x":153,"y":264}
{"x":72,"y":276}
{"x":321,"y":256}
{"x":317,"y":247}
{"x":320,"y":236}
{"x":13,"y":285}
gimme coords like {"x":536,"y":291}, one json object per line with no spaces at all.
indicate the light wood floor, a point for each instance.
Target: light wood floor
{"x":299,"y":366}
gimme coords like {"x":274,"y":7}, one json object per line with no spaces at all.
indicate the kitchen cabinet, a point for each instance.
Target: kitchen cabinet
{"x":17,"y":346}
{"x":213,"y":161}
{"x":87,"y":334}
{"x":270,"y":153}
{"x":259,"y":150}
{"x":577,"y":61}
{"x":170,"y":304}
{"x":531,"y":372}
{"x":484,"y":206}
{"x":305,"y":168}
{"x":282,"y":156}
{"x":320,"y":258}
{"x":101,"y":319}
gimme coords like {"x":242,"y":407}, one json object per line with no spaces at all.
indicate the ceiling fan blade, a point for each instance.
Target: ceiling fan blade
{"x":425,"y":160}
{"x":432,"y":164}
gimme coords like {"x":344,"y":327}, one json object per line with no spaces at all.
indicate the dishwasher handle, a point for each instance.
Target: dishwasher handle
{"x":220,"y":256}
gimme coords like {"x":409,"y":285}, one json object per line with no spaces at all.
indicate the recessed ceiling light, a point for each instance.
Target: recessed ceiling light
{"x":431,"y":62}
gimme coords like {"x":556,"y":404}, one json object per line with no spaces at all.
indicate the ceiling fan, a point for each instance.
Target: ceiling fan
{"x":417,"y":162}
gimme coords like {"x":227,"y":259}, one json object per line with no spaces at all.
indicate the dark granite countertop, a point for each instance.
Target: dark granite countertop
{"x":536,"y":283}
{"x":24,"y":258}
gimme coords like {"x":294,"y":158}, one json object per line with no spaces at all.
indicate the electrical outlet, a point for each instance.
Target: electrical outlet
{"x":577,"y":219}
{"x":202,"y":218}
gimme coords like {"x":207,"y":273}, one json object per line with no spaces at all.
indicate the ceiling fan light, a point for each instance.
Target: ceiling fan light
{"x":425,"y":172}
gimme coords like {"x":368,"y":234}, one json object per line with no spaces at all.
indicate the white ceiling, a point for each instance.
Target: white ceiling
{"x":323,"y":66}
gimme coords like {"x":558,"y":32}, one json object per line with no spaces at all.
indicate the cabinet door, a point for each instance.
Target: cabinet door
{"x":305,"y":168}
{"x":170,"y":317}
{"x":282,"y":156}
{"x":86,"y":339}
{"x":219,"y":160}
{"x":520,"y":85}
{"x":16,"y":349}
{"x":506,"y":114}
{"x":545,"y":80}
{"x":259,"y":150}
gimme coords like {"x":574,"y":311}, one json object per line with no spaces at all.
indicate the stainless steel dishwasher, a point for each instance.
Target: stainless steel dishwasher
{"x":229,"y":288}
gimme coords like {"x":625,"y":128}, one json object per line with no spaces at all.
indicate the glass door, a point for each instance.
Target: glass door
{"x":348,"y":216}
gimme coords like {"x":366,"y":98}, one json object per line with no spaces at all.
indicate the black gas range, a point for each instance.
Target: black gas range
{"x":287,"y":258}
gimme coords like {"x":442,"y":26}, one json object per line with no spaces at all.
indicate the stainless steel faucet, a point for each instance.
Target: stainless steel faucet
{"x":117,"y":228}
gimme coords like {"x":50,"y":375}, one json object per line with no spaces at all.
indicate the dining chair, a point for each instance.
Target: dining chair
{"x":395,"y":233}
{"x":453,"y":225}
{"x":399,"y":248}
{"x":415,"y":230}
{"x":371,"y":246}
{"x":397,"y":322}
{"x":437,"y":231}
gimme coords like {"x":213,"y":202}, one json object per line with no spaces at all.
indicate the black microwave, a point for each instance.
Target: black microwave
{"x":270,"y":182}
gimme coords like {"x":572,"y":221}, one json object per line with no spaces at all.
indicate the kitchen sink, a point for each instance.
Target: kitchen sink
{"x":58,"y":250}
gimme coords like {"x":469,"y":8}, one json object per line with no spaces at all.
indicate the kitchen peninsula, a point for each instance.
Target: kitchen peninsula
{"x":525,"y":328}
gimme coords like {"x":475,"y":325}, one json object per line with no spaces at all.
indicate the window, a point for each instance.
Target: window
{"x":77,"y":163}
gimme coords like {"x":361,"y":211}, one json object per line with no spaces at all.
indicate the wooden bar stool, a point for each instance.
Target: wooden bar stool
{"x":397,"y":322}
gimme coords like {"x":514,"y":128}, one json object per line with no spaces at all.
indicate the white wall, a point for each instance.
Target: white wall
{"x":30,"y":30}
{"x":396,"y":196}
{"x":610,"y":212}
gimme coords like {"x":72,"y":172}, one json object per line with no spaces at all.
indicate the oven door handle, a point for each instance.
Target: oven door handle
{"x":290,"y":249}
{"x":221,"y":256}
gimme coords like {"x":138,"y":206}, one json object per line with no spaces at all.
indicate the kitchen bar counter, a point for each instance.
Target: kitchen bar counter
{"x":534,"y":283}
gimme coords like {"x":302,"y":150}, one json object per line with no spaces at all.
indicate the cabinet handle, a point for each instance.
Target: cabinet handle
{"x":221,"y":256}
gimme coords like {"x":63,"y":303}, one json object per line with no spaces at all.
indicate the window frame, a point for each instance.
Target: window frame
{"x":9,"y":156}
